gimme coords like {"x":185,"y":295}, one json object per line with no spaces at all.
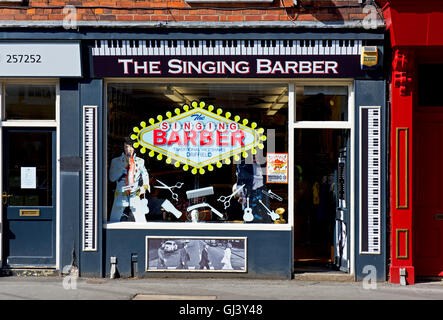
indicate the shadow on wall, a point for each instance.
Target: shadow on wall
{"x":326,"y":11}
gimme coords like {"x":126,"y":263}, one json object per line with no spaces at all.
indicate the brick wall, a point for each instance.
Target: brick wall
{"x":180,"y":11}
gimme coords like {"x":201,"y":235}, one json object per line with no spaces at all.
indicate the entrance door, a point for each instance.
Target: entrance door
{"x":321,"y":201}
{"x":28,"y":198}
{"x":428,"y":208}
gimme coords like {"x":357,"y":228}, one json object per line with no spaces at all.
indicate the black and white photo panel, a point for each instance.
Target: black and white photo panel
{"x":196,"y":254}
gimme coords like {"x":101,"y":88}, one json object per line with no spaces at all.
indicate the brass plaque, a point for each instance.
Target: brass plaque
{"x":29,"y":212}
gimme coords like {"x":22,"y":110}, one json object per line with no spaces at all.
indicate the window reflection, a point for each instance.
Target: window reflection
{"x":321,"y":103}
{"x":29,"y":102}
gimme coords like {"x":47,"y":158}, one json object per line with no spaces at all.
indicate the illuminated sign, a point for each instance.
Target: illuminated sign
{"x":198,"y":138}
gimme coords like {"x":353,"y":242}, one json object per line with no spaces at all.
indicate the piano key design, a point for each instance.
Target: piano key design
{"x":89,"y":178}
{"x":370,"y":179}
{"x":225,"y":47}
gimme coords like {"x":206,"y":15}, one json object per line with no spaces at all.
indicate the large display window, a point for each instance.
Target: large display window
{"x":217,"y":152}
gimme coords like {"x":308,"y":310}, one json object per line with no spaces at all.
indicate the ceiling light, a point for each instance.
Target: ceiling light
{"x":174,"y":95}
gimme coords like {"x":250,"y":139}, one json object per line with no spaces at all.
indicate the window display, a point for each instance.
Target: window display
{"x":195,"y":152}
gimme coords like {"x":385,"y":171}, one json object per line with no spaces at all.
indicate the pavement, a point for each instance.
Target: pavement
{"x":210,"y":289}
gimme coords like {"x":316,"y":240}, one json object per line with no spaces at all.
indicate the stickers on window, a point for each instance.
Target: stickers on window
{"x":277,"y":168}
{"x":198,"y":139}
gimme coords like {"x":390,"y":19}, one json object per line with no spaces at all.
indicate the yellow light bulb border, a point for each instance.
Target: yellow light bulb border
{"x":218,"y":162}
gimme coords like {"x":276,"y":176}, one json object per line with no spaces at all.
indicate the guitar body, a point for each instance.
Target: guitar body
{"x":273,"y":215}
{"x":248,"y":216}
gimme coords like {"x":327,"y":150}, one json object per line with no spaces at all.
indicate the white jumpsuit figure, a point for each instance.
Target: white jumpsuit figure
{"x":227,"y":258}
{"x":122,"y":199}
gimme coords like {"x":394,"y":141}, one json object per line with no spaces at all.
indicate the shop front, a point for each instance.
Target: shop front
{"x":236,"y":155}
{"x":416,"y":137}
{"x":211,"y":153}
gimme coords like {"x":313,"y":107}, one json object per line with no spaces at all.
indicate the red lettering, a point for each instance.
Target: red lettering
{"x":198,"y":126}
{"x":159,"y":137}
{"x":174,"y":138}
{"x":233,"y":126}
{"x":188,"y":138}
{"x":238,"y":136}
{"x":206,"y":138}
{"x":187,"y":126}
{"x":164,"y":126}
{"x":220,"y":137}
{"x":222,"y":126}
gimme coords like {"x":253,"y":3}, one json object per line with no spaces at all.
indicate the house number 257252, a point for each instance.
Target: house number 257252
{"x":23,"y":58}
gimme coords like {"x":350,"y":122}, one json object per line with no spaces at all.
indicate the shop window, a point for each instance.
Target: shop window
{"x":429,"y":86}
{"x":321,"y":103}
{"x":258,"y":196}
{"x":30,"y":102}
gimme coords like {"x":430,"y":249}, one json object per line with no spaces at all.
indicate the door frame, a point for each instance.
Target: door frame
{"x":345,"y":125}
{"x":34,"y":124}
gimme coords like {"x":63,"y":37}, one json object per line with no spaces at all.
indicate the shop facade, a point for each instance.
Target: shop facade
{"x":416,"y":120}
{"x":245,"y":153}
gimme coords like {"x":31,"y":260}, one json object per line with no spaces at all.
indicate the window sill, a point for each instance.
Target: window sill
{"x":194,"y":226}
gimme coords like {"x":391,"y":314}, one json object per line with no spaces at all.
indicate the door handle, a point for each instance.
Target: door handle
{"x":5,"y":197}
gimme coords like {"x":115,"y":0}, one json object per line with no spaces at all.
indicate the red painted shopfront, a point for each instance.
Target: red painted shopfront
{"x":416,"y":177}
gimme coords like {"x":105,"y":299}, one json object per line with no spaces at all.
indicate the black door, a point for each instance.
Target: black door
{"x":28,"y":197}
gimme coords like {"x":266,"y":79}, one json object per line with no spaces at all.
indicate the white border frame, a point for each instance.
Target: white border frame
{"x":360,"y":196}
{"x":189,"y":225}
{"x":196,"y":238}
{"x":350,"y":125}
{"x":35,"y":124}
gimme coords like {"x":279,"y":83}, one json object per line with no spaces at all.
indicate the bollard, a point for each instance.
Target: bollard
{"x":403,"y":276}
{"x":113,"y":271}
{"x":134,"y":265}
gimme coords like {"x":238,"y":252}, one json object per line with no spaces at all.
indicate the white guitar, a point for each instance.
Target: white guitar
{"x":273,"y":215}
{"x":248,"y":216}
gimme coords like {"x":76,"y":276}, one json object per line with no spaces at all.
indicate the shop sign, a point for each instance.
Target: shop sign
{"x":40,"y":59}
{"x":198,"y":138}
{"x":277,"y":168}
{"x":319,"y":66}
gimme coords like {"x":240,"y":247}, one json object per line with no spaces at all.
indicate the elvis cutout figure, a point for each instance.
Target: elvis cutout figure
{"x":130,"y":201}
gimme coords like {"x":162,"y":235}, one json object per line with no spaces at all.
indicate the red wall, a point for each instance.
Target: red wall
{"x":416,"y":28}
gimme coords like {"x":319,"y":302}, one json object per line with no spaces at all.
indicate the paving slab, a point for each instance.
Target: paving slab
{"x":65,"y":288}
